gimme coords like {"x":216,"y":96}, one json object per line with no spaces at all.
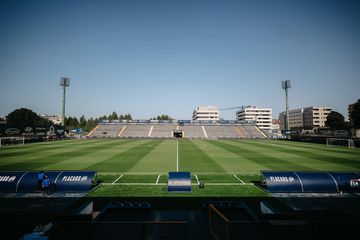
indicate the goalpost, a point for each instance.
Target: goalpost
{"x":340,"y":142}
{"x":11,"y":140}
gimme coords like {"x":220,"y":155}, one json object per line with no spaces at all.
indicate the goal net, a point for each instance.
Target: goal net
{"x":11,"y":140}
{"x":340,"y":142}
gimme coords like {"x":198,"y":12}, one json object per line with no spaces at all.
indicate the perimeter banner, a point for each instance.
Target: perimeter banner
{"x":63,"y":181}
{"x":311,"y":181}
{"x":179,"y":182}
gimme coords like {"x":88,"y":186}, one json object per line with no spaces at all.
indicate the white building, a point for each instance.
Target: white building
{"x":316,"y":116}
{"x":206,"y":113}
{"x":53,"y":118}
{"x":308,"y":117}
{"x":296,"y":118}
{"x":261,"y":116}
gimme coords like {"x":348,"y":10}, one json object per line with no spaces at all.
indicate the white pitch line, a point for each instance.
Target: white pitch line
{"x":197,"y":179}
{"x":135,"y":184}
{"x":228,"y":184}
{"x":96,"y":187}
{"x":242,"y":182}
{"x":157,"y":180}
{"x":117,"y":179}
{"x":177,"y":155}
{"x":164,"y":184}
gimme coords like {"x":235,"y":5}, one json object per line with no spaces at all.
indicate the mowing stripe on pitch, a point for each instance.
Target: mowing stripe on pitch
{"x":117,"y":179}
{"x":242,"y":182}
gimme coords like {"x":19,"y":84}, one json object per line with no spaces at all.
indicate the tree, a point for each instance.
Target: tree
{"x":127,"y":117}
{"x":355,"y":114}
{"x":71,"y":122}
{"x":335,"y":121}
{"x":82,"y":121}
{"x":24,"y":117}
{"x":163,"y":117}
{"x":103,"y":118}
{"x":113,"y":116}
{"x":90,"y":124}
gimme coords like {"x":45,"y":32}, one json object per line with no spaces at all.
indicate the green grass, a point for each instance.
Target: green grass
{"x":161,"y":191}
{"x":213,"y":162}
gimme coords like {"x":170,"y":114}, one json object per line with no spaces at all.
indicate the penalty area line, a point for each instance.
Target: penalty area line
{"x":133,"y":184}
{"x":157,"y":180}
{"x":164,"y":184}
{"x":117,"y":179}
{"x":197,"y":179}
{"x":242,"y":182}
{"x":177,"y":155}
{"x":96,"y":187}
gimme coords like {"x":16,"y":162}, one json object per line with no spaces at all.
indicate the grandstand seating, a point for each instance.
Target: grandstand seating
{"x":221,"y":131}
{"x":193,"y":131}
{"x":254,"y":131}
{"x":165,"y":130}
{"x":136,"y":131}
{"x":106,"y":131}
{"x":243,"y":133}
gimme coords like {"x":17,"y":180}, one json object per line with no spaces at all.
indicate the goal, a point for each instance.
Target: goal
{"x":340,"y":142}
{"x":11,"y":140}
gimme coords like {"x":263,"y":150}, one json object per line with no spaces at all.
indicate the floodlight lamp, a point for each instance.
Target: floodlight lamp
{"x":287,"y":83}
{"x":65,"y":82}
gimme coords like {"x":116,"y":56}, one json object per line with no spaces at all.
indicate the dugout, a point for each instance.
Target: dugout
{"x":238,"y":220}
{"x":311,"y":182}
{"x":63,"y":181}
{"x":137,"y":220}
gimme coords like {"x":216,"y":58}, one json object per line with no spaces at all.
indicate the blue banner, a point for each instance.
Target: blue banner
{"x":63,"y":181}
{"x":310,"y":182}
{"x":179,"y":182}
{"x":9,"y":181}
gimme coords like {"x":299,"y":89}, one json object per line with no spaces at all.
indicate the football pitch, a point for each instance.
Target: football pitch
{"x":140,"y":167}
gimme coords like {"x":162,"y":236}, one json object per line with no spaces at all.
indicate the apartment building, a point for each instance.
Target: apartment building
{"x":261,"y":116}
{"x":206,"y":113}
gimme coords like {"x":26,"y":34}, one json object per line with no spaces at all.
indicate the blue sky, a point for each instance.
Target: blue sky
{"x":167,"y":57}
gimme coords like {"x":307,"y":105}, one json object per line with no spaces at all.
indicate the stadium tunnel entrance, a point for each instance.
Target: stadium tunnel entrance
{"x":178,"y":133}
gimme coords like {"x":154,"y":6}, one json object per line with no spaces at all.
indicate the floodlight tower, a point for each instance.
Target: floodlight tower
{"x":286,"y":85}
{"x":64,"y":82}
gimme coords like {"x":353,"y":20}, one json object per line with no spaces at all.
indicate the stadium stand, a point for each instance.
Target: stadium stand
{"x":241,"y":130}
{"x":222,"y":131}
{"x":163,"y":131}
{"x":253,"y":131}
{"x":195,"y":130}
{"x":106,"y":131}
{"x":136,"y":131}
